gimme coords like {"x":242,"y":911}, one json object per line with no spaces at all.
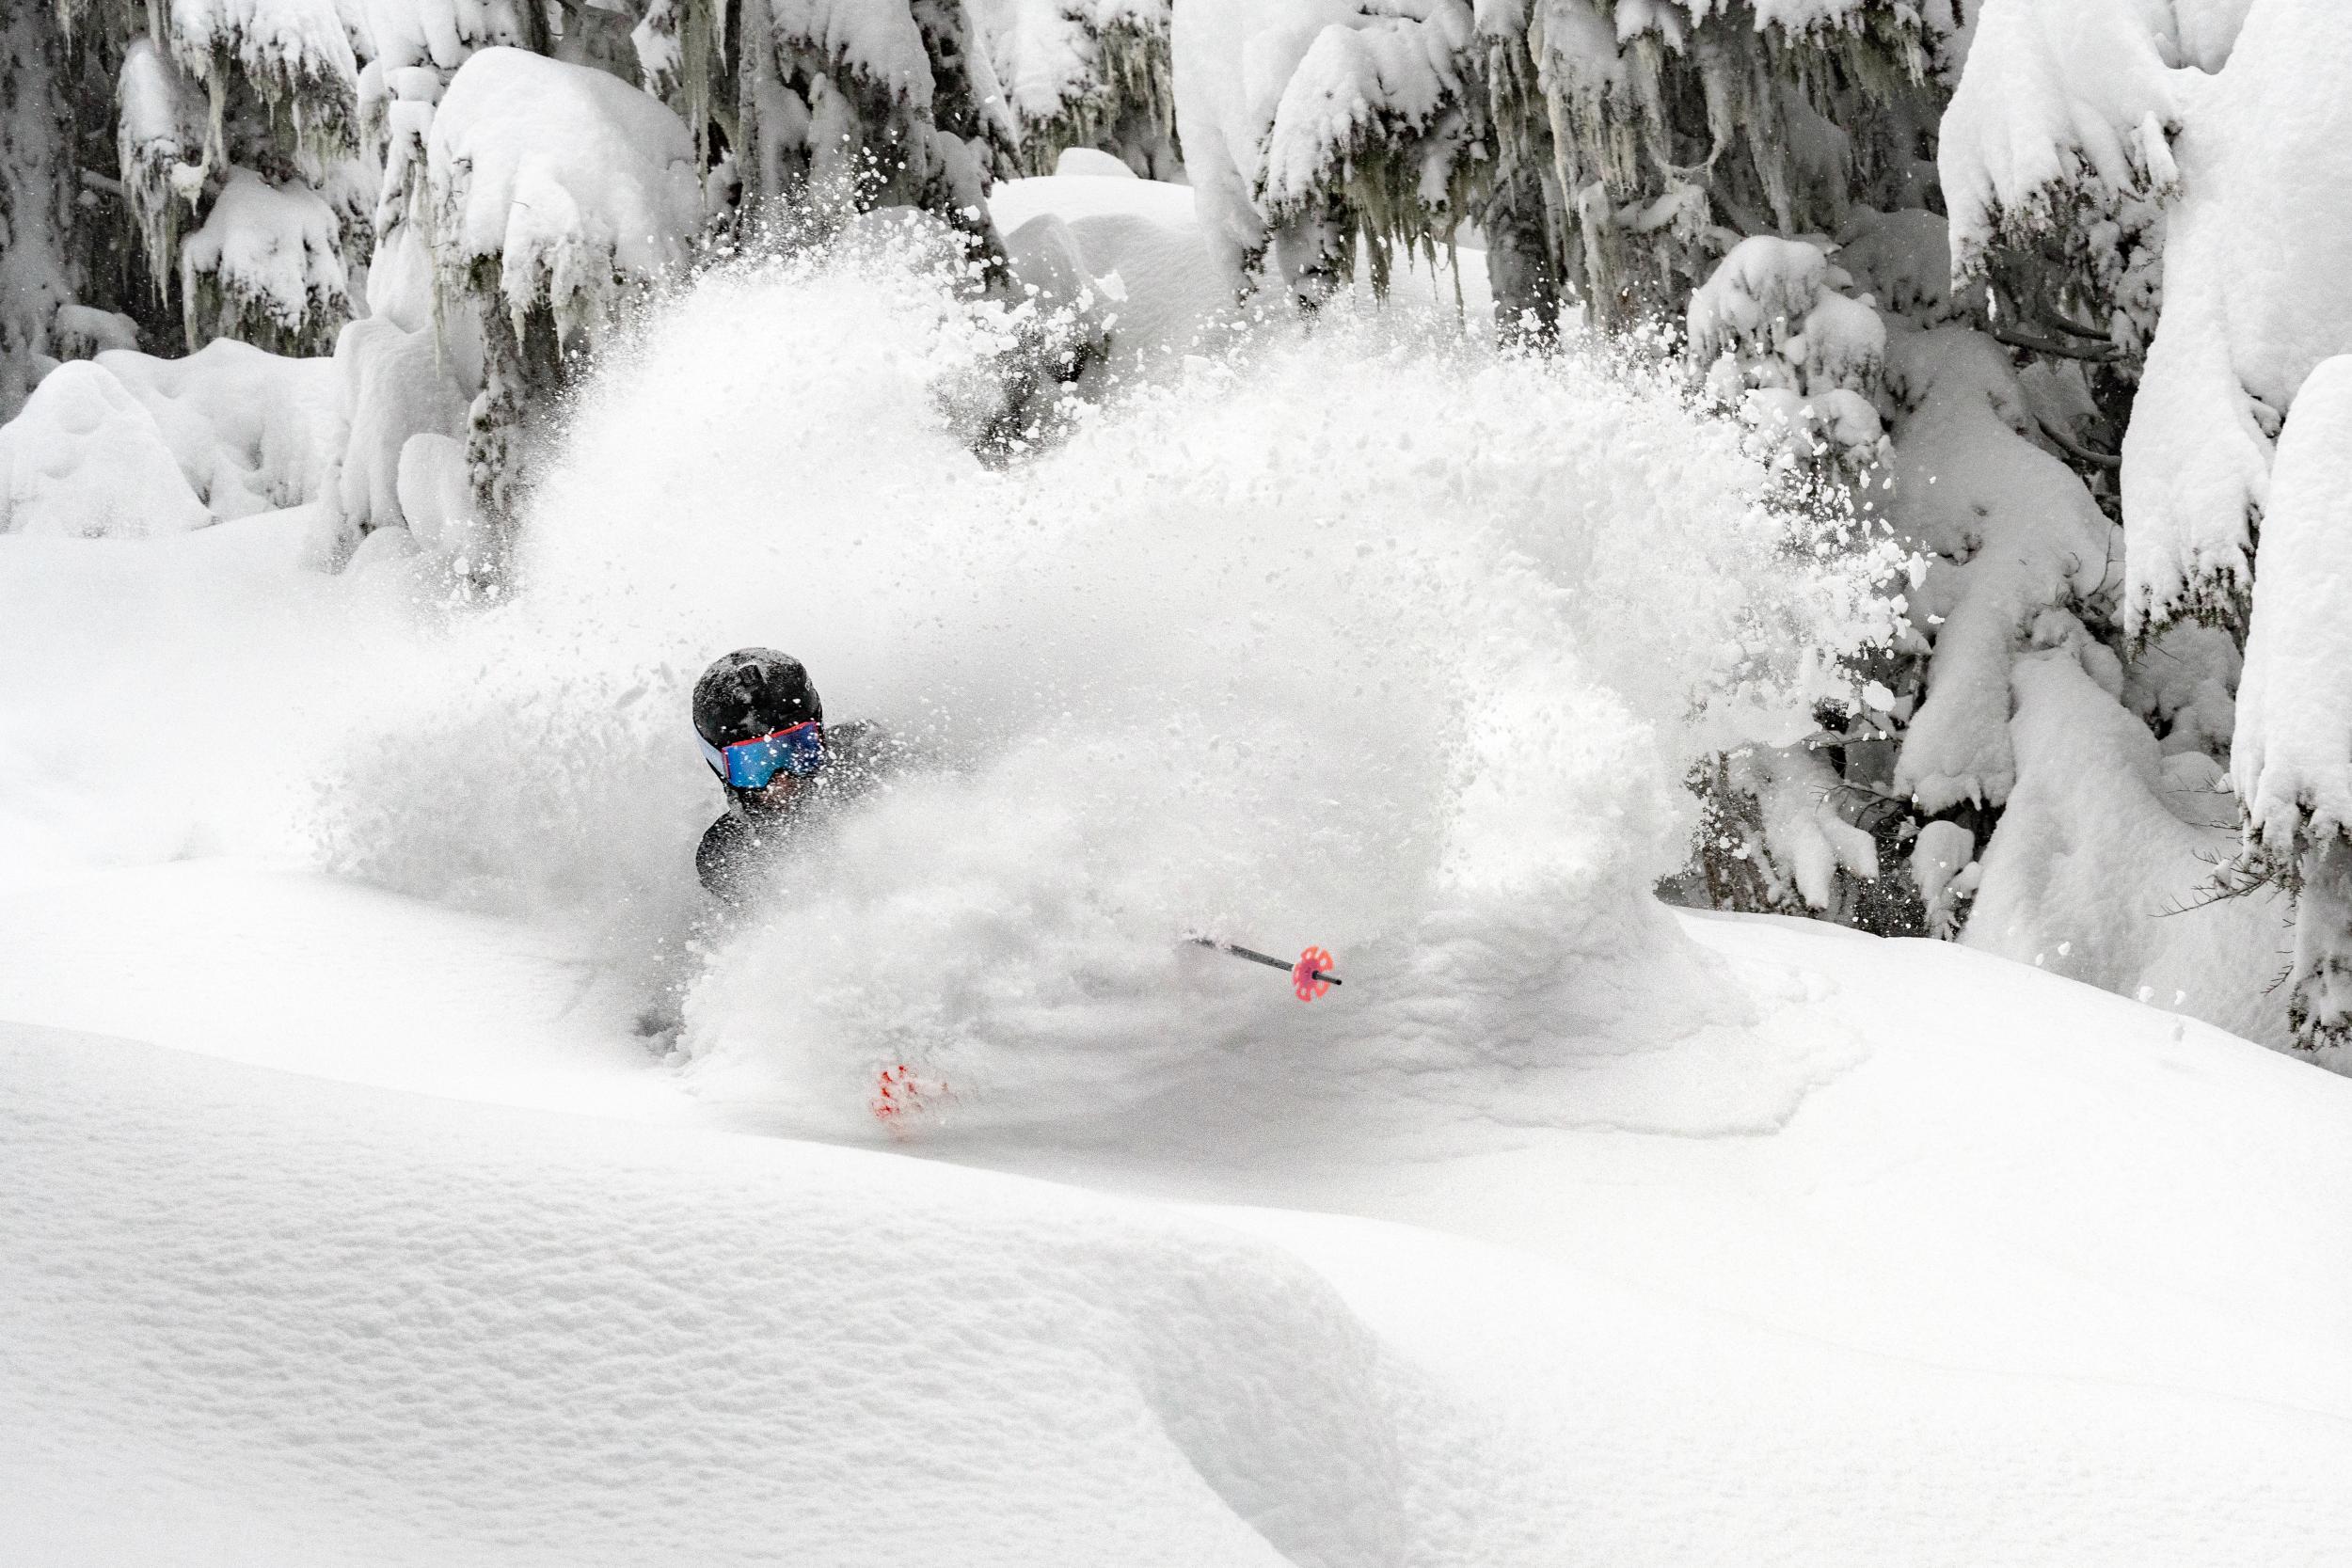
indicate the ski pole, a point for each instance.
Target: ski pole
{"x":1310,"y":977}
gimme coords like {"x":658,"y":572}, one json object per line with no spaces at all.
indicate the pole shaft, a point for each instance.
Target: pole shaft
{"x":1256,"y":957}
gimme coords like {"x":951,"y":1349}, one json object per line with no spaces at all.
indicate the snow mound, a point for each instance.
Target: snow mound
{"x":465,"y":1334}
{"x":1086,"y":163}
{"x":1142,"y":241}
{"x":398,"y":386}
{"x":85,"y":459}
{"x":252,"y":431}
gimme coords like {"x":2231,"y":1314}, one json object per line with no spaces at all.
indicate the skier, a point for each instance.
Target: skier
{"x":763,"y":731}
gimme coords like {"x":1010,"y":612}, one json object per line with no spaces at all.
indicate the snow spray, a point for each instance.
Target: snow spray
{"x":1361,"y":629}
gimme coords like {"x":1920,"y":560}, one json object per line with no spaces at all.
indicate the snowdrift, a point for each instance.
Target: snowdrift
{"x":373,"y":1327}
{"x":2002,"y":1285}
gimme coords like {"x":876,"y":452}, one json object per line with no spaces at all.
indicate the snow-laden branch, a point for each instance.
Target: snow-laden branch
{"x":264,"y":268}
{"x":2253,"y":300}
{"x":2294,"y":745}
{"x":555,"y":186}
{"x":296,"y":54}
{"x":1091,"y":74}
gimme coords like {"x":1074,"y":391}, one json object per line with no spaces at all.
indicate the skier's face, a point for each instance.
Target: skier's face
{"x":776,"y":792}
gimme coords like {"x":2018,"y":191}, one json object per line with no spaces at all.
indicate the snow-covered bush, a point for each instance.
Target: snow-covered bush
{"x":242,"y":119}
{"x":1308,"y":130}
{"x":264,"y":268}
{"x":2133,"y":177}
{"x":2094,"y":870}
{"x":2056,"y":156}
{"x":1801,"y":360}
{"x":2007,"y":534}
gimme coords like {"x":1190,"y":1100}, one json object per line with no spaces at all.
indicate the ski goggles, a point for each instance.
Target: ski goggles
{"x":798,"y":750}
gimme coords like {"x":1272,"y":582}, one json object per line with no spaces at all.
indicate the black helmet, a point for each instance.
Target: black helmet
{"x":753,"y":691}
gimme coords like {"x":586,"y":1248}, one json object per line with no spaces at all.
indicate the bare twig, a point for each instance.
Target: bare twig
{"x":2235,"y":877}
{"x":2097,"y":354}
{"x":2106,"y":460}
{"x":2050,"y":316}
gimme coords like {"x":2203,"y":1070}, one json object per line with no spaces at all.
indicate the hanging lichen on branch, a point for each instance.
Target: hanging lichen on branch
{"x":1088,"y":74}
{"x":867,"y":106}
{"x":238,"y":125}
{"x":1609,"y":151}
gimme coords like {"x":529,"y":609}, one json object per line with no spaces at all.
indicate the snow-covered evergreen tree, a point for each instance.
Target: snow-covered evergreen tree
{"x":288,"y":174}
{"x":242,"y":162}
{"x":2151,"y":188}
{"x":1613,"y":151}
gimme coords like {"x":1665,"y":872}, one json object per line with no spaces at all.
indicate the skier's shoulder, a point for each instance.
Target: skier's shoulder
{"x":718,"y":857}
{"x":738,"y":849}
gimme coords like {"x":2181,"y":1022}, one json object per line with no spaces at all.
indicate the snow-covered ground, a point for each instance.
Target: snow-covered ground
{"x":350,"y":1211}
{"x":2008,"y":1275}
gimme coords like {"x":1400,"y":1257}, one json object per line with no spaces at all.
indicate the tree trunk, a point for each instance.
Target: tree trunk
{"x":37,"y":193}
